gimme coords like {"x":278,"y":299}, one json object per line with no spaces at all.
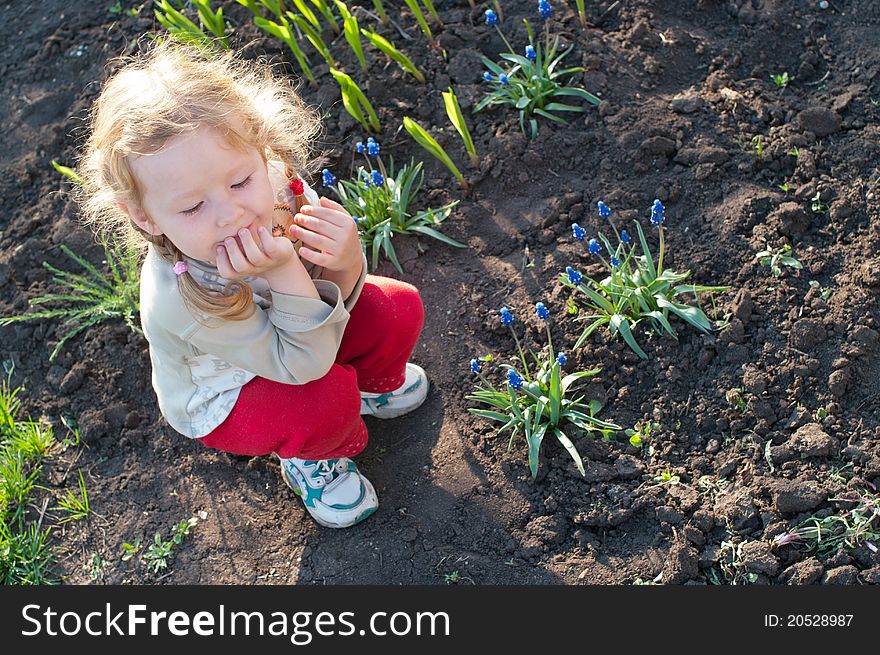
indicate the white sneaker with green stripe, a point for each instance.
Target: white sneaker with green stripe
{"x":333,"y":490}
{"x":405,"y":398}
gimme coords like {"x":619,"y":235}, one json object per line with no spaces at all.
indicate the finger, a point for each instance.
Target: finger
{"x":316,"y":240}
{"x":318,"y":224}
{"x":267,"y":242}
{"x":326,"y":214}
{"x":332,"y":204}
{"x":224,"y":267}
{"x":236,"y":256}
{"x":315,"y":257}
{"x":251,"y":249}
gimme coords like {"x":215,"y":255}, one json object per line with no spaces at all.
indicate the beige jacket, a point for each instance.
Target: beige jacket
{"x":199,"y":366}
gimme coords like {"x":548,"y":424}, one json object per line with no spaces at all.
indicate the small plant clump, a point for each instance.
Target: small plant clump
{"x":777,"y":258}
{"x":379,"y":199}
{"x":536,"y":403}
{"x":94,"y":297}
{"x":532,"y":85}
{"x":636,"y":291}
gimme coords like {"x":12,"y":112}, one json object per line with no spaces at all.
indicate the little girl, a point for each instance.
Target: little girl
{"x":266,"y":334}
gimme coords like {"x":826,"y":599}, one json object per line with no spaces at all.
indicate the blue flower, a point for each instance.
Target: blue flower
{"x":544,"y":9}
{"x":531,"y":55}
{"x":503,"y":79}
{"x":615,"y":262}
{"x":506,"y":317}
{"x":377,"y":178}
{"x":491,"y":17}
{"x":625,"y":237}
{"x":487,"y":76}
{"x":658,"y":213}
{"x":475,"y":366}
{"x":514,"y":379}
{"x":573,"y":276}
{"x":541,"y":311}
{"x":357,"y":220}
{"x":359,"y":147}
{"x":328,"y":178}
{"x":594,"y":247}
{"x":561,"y":359}
{"x":604,"y":210}
{"x":372,"y":148}
{"x":578,"y":232}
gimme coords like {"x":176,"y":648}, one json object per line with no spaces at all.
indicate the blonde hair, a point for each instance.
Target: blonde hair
{"x":171,"y":90}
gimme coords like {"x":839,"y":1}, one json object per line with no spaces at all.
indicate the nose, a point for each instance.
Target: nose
{"x":229,"y":213}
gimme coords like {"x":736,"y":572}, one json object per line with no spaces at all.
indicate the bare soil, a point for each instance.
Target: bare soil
{"x":686,"y":88}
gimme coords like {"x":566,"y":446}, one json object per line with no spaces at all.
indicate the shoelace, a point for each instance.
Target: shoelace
{"x":328,"y":471}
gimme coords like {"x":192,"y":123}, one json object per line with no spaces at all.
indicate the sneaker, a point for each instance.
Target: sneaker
{"x":405,"y":398}
{"x":333,"y":490}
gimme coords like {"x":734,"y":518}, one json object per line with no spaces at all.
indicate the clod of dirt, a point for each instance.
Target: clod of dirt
{"x":819,"y":120}
{"x":758,"y":558}
{"x":842,"y":575}
{"x":838,"y":382}
{"x":812,"y":441}
{"x":802,"y":573}
{"x":738,"y":508}
{"x":806,"y":334}
{"x":793,"y":220}
{"x":681,"y":564}
{"x":628,"y":467}
{"x":793,"y":496}
{"x":687,"y":103}
{"x":871,"y":576}
{"x":550,"y":530}
{"x":754,"y":381}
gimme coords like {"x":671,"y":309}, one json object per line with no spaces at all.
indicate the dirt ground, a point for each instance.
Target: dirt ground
{"x":686,"y":95}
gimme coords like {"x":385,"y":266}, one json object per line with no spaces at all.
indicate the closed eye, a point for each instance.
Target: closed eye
{"x":240,"y":185}
{"x":192,"y":210}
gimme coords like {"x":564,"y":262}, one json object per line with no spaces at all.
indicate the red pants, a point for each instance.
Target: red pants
{"x":321,"y":419}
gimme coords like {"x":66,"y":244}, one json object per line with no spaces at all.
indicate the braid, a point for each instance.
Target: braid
{"x":234,"y":303}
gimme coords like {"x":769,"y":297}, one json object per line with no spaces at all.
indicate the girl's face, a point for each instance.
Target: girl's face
{"x":199,"y":191}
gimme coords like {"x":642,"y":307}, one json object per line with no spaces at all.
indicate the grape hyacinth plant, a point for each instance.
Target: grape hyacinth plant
{"x":535,"y":401}
{"x":533,"y":84}
{"x":635,"y":291}
{"x":379,"y":199}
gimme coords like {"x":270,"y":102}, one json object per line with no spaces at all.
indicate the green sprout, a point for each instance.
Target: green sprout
{"x":352,"y":33}
{"x":186,"y":31}
{"x":453,"y":111}
{"x":130,"y":550}
{"x":635,"y":291}
{"x":314,"y":37}
{"x":429,"y":5}
{"x":94,"y":297}
{"x":75,"y":506}
{"x":642,"y":433}
{"x":776,"y":259}
{"x":758,"y":147}
{"x":68,"y":172}
{"x":356,"y":102}
{"x":430,"y":144}
{"x":283,"y":32}
{"x":380,"y":9}
{"x":388,"y":49}
{"x":419,"y":16}
{"x":536,"y":403}
{"x":816,"y":204}
{"x":781,"y":80}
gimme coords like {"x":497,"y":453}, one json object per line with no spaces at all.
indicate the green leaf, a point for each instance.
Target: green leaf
{"x":569,"y":446}
{"x":622,"y":325}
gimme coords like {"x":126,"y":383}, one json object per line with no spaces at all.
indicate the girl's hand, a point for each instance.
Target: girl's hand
{"x":250,"y":258}
{"x":329,"y":235}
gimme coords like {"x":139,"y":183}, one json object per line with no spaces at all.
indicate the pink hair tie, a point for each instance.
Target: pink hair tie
{"x":180,"y":268}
